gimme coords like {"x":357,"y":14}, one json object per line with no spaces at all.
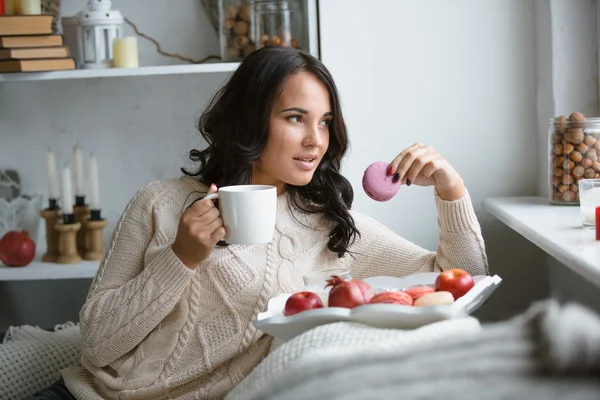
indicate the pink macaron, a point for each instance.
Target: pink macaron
{"x":377,"y":184}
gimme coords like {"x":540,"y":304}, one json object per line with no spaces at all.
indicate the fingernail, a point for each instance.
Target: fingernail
{"x":390,"y":170}
{"x":408,"y":182}
{"x":396,"y":178}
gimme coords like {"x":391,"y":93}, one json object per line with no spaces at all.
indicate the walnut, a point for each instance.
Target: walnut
{"x":576,"y":156}
{"x":592,"y":155}
{"x":562,"y":188}
{"x":568,"y":196}
{"x":577,"y":120}
{"x":590,"y":140}
{"x":232,"y":11}
{"x":559,"y":172}
{"x":556,"y":138}
{"x":586,"y":163}
{"x":559,"y":161}
{"x":557,"y":196}
{"x":240,"y":28}
{"x":575,"y":136}
{"x":574,"y":188}
{"x":578,"y":171}
{"x":597,"y":175}
{"x":568,"y":148}
{"x":276,"y":41}
{"x":589,"y":173}
{"x":244,"y":12}
{"x":228,"y":26}
{"x":582,"y":148}
{"x":567,"y":179}
{"x":560,"y":124}
{"x":568,"y":165}
{"x":557,"y":149}
{"x":241,"y":42}
{"x":249,"y":49}
{"x":596,"y":166}
{"x":555,"y":181}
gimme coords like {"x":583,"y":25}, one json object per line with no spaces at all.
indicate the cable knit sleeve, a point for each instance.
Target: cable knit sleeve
{"x":381,"y":251}
{"x":129,"y":297}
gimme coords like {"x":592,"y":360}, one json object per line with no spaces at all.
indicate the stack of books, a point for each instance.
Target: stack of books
{"x":27,"y":44}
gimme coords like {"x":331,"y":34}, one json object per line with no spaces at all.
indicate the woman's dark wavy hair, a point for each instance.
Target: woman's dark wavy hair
{"x":235,"y":125}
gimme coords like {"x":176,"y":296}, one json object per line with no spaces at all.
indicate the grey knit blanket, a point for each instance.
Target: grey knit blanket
{"x":550,"y":352}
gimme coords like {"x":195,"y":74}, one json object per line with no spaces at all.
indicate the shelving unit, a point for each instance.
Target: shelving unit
{"x":120,"y":72}
{"x":39,"y":270}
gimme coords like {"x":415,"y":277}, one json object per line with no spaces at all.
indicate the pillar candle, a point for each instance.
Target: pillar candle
{"x":51,"y":169}
{"x":67,"y":196}
{"x":125,"y":53}
{"x":94,"y":187}
{"x":9,"y":7}
{"x":29,"y":7}
{"x":78,"y":161}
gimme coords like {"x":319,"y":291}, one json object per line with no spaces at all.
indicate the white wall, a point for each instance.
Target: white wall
{"x":457,"y":75}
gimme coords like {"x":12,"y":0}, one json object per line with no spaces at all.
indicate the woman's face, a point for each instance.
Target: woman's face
{"x":298,"y":134}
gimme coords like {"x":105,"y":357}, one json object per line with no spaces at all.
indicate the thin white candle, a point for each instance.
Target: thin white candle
{"x":51,"y":169}
{"x":94,"y":187}
{"x":78,"y":162}
{"x":67,"y":196}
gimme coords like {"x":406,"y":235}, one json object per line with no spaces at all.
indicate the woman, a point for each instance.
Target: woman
{"x":170,"y":313}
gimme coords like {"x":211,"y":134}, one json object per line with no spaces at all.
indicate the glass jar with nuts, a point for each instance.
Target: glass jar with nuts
{"x":574,"y":153}
{"x":277,"y":23}
{"x":235,"y":19}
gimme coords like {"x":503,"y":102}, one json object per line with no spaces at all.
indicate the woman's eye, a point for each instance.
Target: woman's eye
{"x":294,"y":118}
{"x":326,"y":122}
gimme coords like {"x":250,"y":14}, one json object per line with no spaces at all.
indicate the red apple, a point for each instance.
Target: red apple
{"x":302,"y":301}
{"x":455,"y":281}
{"x":16,"y":249}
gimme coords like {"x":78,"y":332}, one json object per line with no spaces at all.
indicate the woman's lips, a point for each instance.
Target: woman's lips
{"x":306,"y":164}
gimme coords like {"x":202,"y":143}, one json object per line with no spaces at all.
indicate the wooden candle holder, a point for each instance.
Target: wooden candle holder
{"x":51,"y":217}
{"x":94,"y":228}
{"x":81,"y":212}
{"x":67,"y":243}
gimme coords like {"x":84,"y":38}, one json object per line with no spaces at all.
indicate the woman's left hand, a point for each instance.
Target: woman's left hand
{"x":422,"y":165}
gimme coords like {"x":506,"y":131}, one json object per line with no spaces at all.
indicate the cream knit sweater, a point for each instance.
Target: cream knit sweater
{"x":154,"y":329}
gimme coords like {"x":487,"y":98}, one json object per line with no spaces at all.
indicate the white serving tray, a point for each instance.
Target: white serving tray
{"x":274,"y":323}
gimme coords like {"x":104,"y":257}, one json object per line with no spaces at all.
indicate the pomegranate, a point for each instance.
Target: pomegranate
{"x":16,"y":249}
{"x":392,"y":298}
{"x":349,"y":294}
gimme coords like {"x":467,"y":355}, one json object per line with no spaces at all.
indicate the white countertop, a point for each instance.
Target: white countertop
{"x":555,"y":229}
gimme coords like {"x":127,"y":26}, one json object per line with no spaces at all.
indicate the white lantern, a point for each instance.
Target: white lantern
{"x":94,"y":29}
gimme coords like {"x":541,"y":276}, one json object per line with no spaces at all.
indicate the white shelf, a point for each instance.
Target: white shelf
{"x":555,"y":229}
{"x":118,"y":72}
{"x":39,"y":270}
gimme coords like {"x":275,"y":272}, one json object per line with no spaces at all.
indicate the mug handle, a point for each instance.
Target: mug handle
{"x":211,"y":196}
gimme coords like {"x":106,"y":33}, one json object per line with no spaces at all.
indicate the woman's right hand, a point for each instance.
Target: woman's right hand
{"x":200,"y":228}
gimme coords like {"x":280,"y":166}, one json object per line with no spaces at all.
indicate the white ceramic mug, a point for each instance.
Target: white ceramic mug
{"x":248,"y":212}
